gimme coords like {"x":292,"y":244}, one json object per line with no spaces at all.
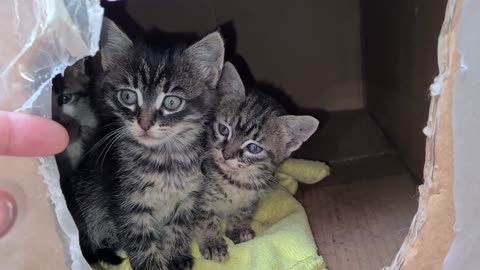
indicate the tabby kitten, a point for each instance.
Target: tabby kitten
{"x":146,"y":185}
{"x":252,"y":137}
{"x":72,"y":108}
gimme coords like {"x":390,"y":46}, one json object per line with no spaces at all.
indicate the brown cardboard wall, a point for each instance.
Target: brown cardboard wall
{"x":311,"y":48}
{"x":400,"y":52}
{"x":333,"y":55}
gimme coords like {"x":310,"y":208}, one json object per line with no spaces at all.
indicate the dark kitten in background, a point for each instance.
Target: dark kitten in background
{"x":144,"y":184}
{"x":72,"y":108}
{"x":253,"y":136}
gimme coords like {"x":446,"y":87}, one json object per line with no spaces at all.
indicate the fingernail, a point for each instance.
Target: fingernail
{"x":8,"y":212}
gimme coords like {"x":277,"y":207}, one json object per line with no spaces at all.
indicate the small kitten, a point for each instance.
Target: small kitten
{"x":252,"y":138}
{"x":72,"y":108}
{"x":145,"y":186}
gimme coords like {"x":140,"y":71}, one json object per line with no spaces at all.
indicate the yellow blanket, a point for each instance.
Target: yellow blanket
{"x":284,"y":239}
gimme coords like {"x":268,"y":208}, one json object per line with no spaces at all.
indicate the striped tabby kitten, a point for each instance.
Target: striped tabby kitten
{"x":252,"y":137}
{"x":72,"y":108}
{"x":146,"y":185}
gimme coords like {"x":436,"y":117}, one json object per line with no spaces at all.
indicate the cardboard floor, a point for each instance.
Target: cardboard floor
{"x":361,"y":213}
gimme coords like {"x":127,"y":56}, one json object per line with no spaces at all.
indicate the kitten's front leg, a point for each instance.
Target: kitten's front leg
{"x":239,"y":225}
{"x":177,"y":238}
{"x":141,"y":241}
{"x":209,"y":236}
{"x":153,"y":246}
{"x":98,"y":236}
{"x":139,"y":232}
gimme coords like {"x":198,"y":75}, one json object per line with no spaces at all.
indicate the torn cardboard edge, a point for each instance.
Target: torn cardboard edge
{"x":431,"y":232}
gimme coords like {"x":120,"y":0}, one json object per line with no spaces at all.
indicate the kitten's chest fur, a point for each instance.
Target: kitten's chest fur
{"x":168,"y":194}
{"x":162,"y":183}
{"x":230,"y":198}
{"x":236,"y":199}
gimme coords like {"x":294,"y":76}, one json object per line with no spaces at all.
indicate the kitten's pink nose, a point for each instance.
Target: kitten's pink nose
{"x":228,"y":155}
{"x":230,"y":150}
{"x":145,"y":124}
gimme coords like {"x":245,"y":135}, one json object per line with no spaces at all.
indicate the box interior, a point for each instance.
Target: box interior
{"x":363,"y":68}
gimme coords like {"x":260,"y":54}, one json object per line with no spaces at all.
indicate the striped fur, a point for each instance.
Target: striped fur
{"x":239,"y":178}
{"x":141,"y":187}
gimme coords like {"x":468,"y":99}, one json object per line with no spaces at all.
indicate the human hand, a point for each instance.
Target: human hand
{"x":26,"y":135}
{"x":29,"y":135}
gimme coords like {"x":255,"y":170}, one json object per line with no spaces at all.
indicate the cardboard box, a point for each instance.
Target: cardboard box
{"x":327,"y":55}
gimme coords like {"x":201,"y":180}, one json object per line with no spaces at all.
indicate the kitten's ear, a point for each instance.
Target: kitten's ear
{"x":113,"y":43}
{"x":230,"y":84}
{"x":297,"y":130}
{"x":207,"y":55}
{"x":77,"y":69}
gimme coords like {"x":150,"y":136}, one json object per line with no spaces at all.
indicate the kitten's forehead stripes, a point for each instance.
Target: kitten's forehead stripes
{"x":145,"y":77}
{"x":163,"y":67}
{"x":145,"y":71}
{"x":157,"y":76}
{"x":257,"y":137}
{"x":251,"y":116}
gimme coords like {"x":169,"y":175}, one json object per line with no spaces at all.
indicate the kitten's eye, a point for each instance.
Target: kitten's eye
{"x":127,"y":97}
{"x":223,"y":130}
{"x":254,"y":148}
{"x":172,"y":103}
{"x":65,"y":99}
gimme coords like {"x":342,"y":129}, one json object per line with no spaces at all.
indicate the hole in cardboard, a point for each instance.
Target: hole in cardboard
{"x":363,"y":69}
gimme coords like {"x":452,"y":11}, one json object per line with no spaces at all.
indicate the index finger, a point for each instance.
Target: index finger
{"x":30,"y":135}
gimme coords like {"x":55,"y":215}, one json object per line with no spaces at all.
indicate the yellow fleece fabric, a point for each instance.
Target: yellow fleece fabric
{"x":283,"y":236}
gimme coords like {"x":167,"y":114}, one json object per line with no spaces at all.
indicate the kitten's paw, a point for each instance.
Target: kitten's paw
{"x":184,"y":262}
{"x":215,"y":250}
{"x":240,"y":235}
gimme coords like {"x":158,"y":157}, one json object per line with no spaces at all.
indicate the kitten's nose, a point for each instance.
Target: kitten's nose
{"x":230,"y":150}
{"x":228,"y":155}
{"x":145,"y":124}
{"x":220,"y":159}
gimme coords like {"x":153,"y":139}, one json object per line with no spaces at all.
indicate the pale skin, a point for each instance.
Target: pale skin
{"x":28,"y":136}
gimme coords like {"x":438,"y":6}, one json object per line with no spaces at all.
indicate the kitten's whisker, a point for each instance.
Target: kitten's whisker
{"x":116,"y":138}
{"x":102,"y":140}
{"x":112,"y":140}
{"x":208,"y":152}
{"x":108,"y":141}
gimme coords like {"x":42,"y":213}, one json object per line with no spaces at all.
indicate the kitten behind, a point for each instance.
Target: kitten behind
{"x":253,"y":136}
{"x":72,"y":108}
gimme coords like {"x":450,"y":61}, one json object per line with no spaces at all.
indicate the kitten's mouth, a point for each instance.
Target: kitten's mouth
{"x":74,"y":130}
{"x":227,"y":167}
{"x":147,"y":137}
